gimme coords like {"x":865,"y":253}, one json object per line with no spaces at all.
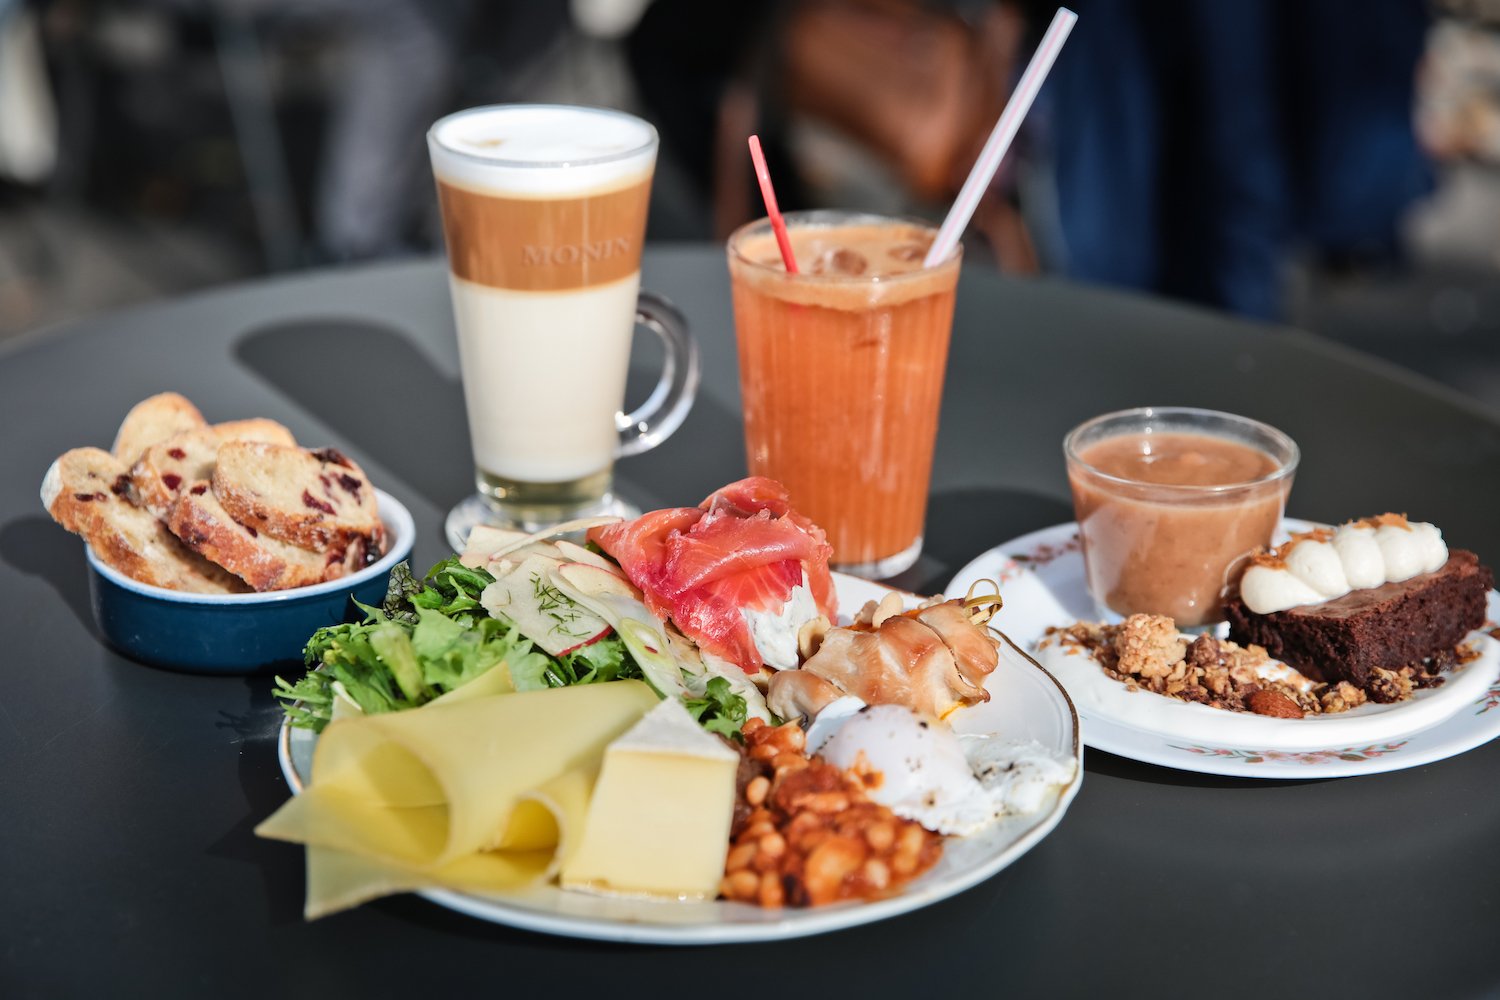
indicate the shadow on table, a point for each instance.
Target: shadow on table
{"x":377,"y":391}
{"x":1102,"y":762}
{"x":280,"y":864}
{"x":37,"y":547}
{"x":383,"y":396}
{"x":963,"y":523}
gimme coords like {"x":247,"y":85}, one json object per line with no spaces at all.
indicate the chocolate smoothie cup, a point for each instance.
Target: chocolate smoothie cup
{"x":1171,"y":502}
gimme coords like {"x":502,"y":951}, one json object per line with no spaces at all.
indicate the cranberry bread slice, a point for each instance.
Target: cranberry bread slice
{"x":153,"y":420}
{"x":265,"y":563}
{"x":166,"y":467}
{"x":85,"y":492}
{"x":254,"y":429}
{"x":319,"y":500}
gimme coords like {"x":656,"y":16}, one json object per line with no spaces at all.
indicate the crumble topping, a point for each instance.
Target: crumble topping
{"x":1276,"y":558}
{"x":1385,"y":521}
{"x":1146,"y":652}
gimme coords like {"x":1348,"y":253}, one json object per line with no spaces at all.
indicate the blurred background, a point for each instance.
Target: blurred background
{"x":1334,"y":164}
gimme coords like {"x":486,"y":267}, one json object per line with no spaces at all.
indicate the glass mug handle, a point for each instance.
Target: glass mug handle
{"x":651,"y":423}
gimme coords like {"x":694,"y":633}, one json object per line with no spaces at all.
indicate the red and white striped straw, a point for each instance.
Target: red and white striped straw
{"x":1000,"y":139}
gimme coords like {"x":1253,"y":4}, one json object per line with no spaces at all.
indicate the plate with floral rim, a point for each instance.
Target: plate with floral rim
{"x":1041,"y":578}
{"x":1026,"y":703}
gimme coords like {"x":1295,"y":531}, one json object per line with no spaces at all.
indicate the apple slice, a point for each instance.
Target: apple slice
{"x":484,"y":540}
{"x":671,"y":663}
{"x":528,"y":597}
{"x":574,"y":553}
{"x":512,"y":541}
{"x":613,"y":598}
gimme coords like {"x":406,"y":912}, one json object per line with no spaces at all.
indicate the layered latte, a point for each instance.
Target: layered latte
{"x":544,"y":213}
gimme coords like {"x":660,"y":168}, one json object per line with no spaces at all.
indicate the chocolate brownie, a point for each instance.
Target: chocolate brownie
{"x":1390,"y":626}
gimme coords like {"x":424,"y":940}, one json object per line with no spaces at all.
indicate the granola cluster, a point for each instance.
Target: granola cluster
{"x":1148,"y":652}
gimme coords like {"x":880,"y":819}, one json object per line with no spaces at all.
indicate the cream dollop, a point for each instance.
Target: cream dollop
{"x":1358,"y":556}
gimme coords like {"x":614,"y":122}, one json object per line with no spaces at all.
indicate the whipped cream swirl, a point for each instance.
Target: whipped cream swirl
{"x":1322,"y":565}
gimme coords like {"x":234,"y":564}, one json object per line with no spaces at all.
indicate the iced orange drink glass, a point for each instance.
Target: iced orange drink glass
{"x":841,"y":374}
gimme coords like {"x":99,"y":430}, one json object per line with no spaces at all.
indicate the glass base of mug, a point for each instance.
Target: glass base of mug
{"x":882,"y":569}
{"x":532,"y":507}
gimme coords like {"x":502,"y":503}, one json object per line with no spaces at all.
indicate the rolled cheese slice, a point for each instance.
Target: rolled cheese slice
{"x":479,"y":793}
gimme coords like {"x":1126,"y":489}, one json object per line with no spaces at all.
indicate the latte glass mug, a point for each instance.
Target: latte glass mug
{"x":544,"y":214}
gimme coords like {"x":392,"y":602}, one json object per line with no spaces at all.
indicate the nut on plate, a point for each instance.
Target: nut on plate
{"x":1268,"y":701}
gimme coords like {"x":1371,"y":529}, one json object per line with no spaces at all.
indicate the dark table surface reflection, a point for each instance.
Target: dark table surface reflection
{"x":130,"y":794}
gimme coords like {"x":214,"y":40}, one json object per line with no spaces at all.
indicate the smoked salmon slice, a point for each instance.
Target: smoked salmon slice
{"x":744,"y":548}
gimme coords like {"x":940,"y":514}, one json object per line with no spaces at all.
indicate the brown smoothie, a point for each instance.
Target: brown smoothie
{"x":1171,"y":540}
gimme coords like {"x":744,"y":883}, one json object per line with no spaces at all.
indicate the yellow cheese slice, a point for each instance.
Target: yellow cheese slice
{"x":476,"y":793}
{"x":495,"y":680}
{"x":659,"y":821}
{"x":538,"y":838}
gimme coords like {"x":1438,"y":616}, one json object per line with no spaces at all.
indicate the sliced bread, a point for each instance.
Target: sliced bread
{"x":166,"y":468}
{"x":152,"y":421}
{"x":266,"y":563}
{"x":319,"y":500}
{"x":85,"y":492}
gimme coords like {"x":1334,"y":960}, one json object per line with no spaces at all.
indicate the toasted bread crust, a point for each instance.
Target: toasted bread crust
{"x":265,"y":563}
{"x":153,"y":420}
{"x":319,"y":500}
{"x":166,"y":468}
{"x":85,"y":490}
{"x":149,"y":508}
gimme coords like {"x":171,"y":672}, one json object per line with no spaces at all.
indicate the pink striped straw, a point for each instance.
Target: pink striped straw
{"x":1000,"y":139}
{"x":778,"y":224}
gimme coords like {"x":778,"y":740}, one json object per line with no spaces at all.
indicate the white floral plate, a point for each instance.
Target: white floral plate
{"x":1026,"y":703}
{"x":1042,"y":581}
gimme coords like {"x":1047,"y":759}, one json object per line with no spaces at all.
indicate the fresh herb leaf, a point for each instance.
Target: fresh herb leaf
{"x":720,"y":710}
{"x":425,"y":639}
{"x":452,"y":655}
{"x":599,"y":662}
{"x":604,"y":660}
{"x":392,"y":643}
{"x":454,"y":589}
{"x":399,"y":591}
{"x":559,"y":607}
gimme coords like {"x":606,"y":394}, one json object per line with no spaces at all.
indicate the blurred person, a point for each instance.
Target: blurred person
{"x":1197,"y":143}
{"x":1187,"y":147}
{"x":402,"y":63}
{"x":917,"y":83}
{"x":28,"y":114}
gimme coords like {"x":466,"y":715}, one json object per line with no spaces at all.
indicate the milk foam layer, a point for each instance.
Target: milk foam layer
{"x":541,"y":150}
{"x":542,"y":406}
{"x":1358,"y":556}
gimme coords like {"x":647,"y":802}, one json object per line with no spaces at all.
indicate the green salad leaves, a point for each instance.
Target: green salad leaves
{"x":720,"y":710}
{"x":432,"y":636}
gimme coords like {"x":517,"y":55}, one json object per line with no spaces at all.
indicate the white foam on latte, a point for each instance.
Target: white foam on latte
{"x":541,"y":150}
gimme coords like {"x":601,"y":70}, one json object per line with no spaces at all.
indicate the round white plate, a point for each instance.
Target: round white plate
{"x":1026,"y":703}
{"x":1042,"y":581}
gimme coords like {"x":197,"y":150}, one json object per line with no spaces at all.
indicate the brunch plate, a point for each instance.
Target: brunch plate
{"x":1041,"y":579}
{"x":1026,"y":703}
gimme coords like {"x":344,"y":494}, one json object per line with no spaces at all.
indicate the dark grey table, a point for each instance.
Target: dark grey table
{"x":128,"y":795}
